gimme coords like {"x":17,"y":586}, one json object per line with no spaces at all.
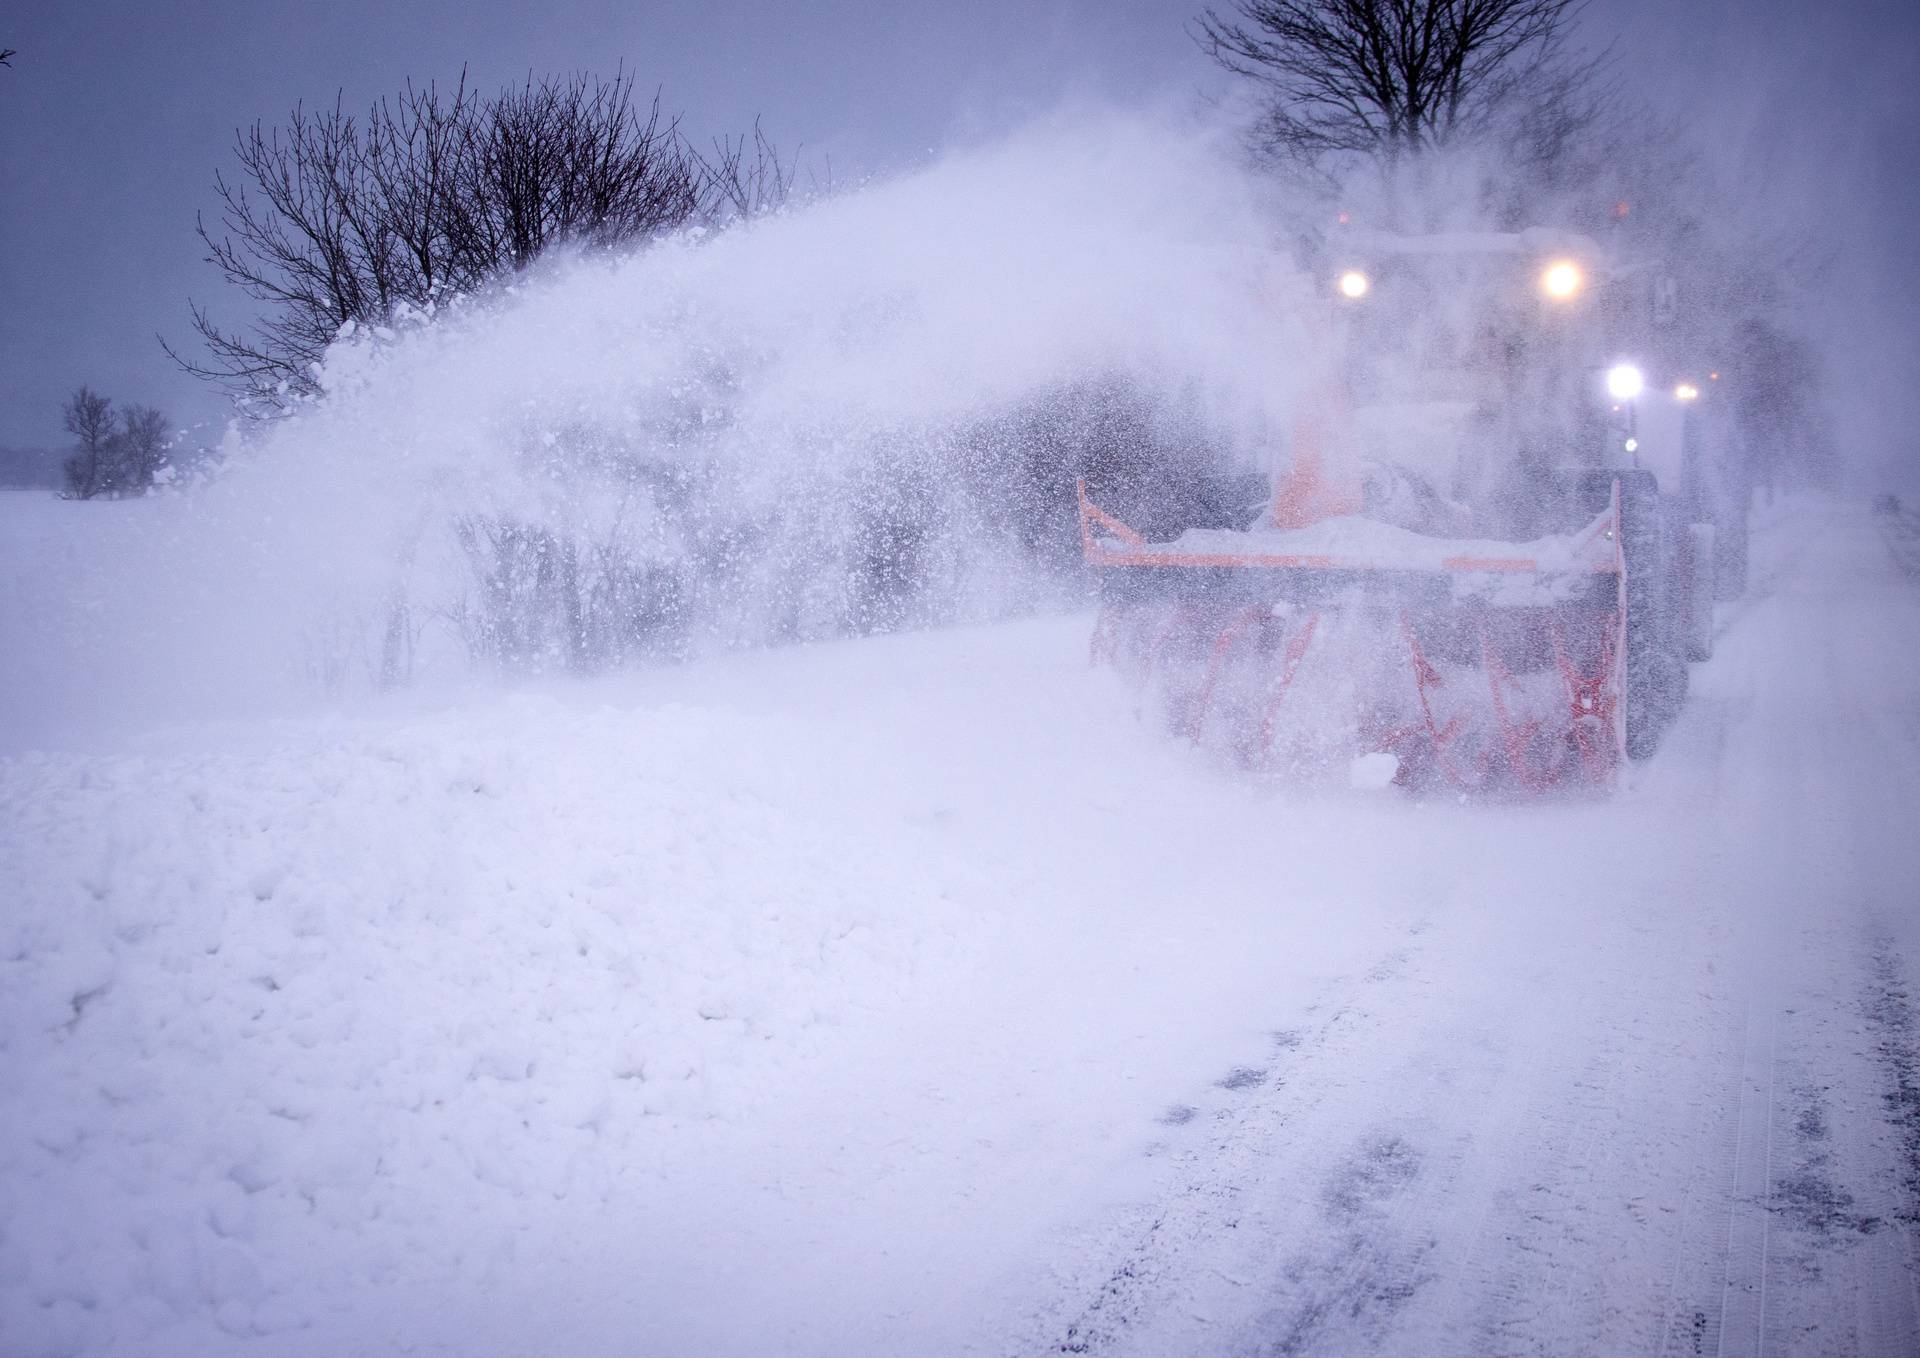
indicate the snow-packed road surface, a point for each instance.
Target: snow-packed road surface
{"x":908,"y":996}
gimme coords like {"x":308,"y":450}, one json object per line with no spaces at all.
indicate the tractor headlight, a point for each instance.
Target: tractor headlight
{"x":1354,"y":285}
{"x":1562,"y":280}
{"x":1624,"y":382}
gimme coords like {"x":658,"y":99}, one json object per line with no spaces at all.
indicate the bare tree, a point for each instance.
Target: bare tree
{"x":89,"y":418}
{"x":142,"y":449}
{"x":1387,"y":76}
{"x":7,"y":54}
{"x":334,"y":219}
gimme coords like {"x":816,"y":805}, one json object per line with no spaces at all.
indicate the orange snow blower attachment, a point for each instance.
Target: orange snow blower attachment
{"x":1510,"y":655}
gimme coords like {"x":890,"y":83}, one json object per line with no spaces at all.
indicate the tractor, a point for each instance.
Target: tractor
{"x":1484,"y":556}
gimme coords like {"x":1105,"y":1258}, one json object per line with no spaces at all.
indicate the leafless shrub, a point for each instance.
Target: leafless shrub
{"x":334,"y":218}
{"x":745,"y":177}
{"x":546,"y":600}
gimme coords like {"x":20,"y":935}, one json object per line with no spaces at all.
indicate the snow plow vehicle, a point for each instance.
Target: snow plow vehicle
{"x":1467,"y":574}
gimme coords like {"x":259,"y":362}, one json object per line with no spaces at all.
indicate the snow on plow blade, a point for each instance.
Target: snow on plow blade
{"x":1351,"y":643}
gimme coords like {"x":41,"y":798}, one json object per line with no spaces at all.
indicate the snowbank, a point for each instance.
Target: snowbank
{"x":368,"y":1031}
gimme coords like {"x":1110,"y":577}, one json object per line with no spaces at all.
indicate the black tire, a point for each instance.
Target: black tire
{"x":1730,"y":549}
{"x":1656,"y":678}
{"x":1656,"y":670}
{"x":1703,"y":566}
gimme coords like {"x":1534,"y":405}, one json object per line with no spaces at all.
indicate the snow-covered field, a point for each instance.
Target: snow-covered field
{"x":910,"y":996}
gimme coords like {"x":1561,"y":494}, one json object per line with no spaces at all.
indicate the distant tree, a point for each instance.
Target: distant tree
{"x":113,"y":456}
{"x":89,"y":418}
{"x":140,"y":448}
{"x":1775,"y":387}
{"x":335,"y":219}
{"x":1389,"y":76}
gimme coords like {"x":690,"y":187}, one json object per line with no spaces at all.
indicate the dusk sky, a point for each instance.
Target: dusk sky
{"x":114,"y":117}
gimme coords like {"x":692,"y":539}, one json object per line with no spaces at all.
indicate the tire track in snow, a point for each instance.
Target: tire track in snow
{"x":1243,"y":1147}
{"x":1896,"y":1035}
{"x":1887,"y":1304}
{"x":1481,"y":1158}
{"x":1810,"y":1266}
{"x":1835,"y":1272}
{"x":1740,"y":1327}
{"x":1687,"y":1326}
{"x":1377,"y":1266}
{"x":1620,"y":1191}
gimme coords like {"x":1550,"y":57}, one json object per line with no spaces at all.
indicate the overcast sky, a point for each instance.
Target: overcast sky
{"x":115,"y":115}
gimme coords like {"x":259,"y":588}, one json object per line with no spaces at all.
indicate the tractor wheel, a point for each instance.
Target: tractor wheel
{"x":1656,"y":676}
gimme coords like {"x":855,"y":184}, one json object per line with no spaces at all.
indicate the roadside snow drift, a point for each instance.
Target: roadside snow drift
{"x":557,"y":1021}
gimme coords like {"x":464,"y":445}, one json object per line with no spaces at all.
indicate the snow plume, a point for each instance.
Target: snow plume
{"x":861,"y":414}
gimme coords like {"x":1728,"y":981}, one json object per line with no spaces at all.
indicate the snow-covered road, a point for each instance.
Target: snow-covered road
{"x":1662,"y":1099}
{"x":909,"y":996}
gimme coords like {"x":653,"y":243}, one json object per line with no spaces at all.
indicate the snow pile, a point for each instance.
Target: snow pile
{"x":274,"y":1019}
{"x":567,"y":1022}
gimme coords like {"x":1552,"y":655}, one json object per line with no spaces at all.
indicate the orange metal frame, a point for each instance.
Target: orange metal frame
{"x":1136,"y":551}
{"x":1593,"y":699}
